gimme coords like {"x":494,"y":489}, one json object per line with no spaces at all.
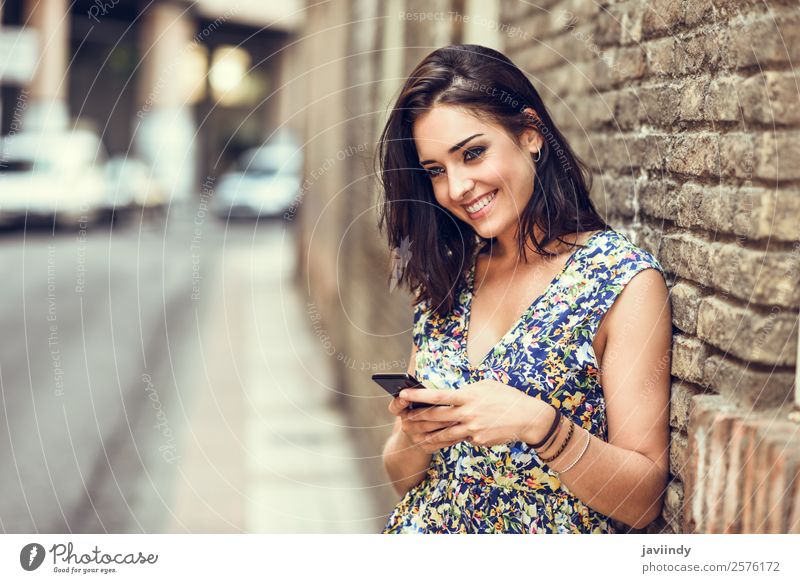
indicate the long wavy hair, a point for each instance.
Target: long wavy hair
{"x":435,"y":244}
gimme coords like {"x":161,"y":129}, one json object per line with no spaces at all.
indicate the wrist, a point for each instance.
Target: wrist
{"x":541,"y":422}
{"x":404,"y":443}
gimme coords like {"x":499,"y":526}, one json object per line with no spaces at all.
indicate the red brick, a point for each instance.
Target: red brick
{"x":702,"y":412}
{"x":731,"y":504}
{"x":794,"y":517}
{"x":749,"y":475}
{"x":716,"y":483}
{"x":784,"y":442}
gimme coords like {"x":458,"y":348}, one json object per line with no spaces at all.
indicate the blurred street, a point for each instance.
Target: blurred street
{"x":196,"y":294}
{"x":162,"y":376}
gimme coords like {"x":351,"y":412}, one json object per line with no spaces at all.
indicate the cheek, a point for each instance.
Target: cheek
{"x":440,"y":194}
{"x":519,"y":182}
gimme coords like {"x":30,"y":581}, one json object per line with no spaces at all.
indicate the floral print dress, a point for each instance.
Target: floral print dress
{"x":547,"y":354}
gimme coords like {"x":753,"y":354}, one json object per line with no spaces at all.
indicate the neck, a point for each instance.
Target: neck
{"x":505,"y":249}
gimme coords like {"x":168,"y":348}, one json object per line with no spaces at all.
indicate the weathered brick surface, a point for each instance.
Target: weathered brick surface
{"x":688,"y":256}
{"x":678,"y":454}
{"x":680,"y":400}
{"x":761,"y":277}
{"x":688,"y":356}
{"x":748,"y":385}
{"x":674,"y":505}
{"x":770,"y":98}
{"x":742,"y":469}
{"x":686,"y":298}
{"x":686,"y":112}
{"x":784,"y":469}
{"x":730,"y":520}
{"x":704,"y":461}
{"x":767,"y":337}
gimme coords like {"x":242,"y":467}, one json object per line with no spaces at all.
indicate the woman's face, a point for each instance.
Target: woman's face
{"x":469,"y":162}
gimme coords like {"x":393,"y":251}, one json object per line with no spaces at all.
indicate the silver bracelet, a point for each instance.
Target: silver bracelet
{"x":585,"y":447}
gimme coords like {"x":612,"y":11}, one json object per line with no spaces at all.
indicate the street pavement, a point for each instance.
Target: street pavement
{"x":162,"y":376}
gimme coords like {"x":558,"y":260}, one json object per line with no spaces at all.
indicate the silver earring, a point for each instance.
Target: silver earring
{"x":538,"y":156}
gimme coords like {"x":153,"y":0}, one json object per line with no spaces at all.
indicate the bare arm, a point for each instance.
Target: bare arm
{"x":626,"y":477}
{"x":405,"y":464}
{"x":623,"y":478}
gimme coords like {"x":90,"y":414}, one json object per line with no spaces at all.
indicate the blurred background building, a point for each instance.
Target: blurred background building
{"x":197,"y":293}
{"x":185,"y":86}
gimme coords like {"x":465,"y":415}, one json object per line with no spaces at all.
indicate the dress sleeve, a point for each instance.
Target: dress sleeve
{"x":613,"y":282}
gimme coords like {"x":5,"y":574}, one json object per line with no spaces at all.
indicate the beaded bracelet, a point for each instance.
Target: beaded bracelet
{"x":550,"y":432}
{"x":563,"y":445}
{"x":585,"y":447}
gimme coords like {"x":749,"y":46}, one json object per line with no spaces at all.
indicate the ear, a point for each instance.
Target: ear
{"x":532,"y":140}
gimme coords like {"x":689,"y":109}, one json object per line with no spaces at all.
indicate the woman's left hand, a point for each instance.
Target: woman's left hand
{"x":486,"y":413}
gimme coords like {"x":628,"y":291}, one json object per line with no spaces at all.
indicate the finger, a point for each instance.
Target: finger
{"x":424,"y":427}
{"x":455,"y":432}
{"x":443,"y":413}
{"x":433,"y":396}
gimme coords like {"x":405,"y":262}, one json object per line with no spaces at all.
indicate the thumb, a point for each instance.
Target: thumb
{"x":398,"y":405}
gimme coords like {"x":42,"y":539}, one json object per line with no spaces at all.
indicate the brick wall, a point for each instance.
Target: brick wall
{"x":688,"y":113}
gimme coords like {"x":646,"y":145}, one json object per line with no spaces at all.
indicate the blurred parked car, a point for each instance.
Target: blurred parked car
{"x":265,"y":183}
{"x":134,"y":188}
{"x":54,"y":175}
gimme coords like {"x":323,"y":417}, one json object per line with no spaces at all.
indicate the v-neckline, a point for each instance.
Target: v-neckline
{"x":471,"y":291}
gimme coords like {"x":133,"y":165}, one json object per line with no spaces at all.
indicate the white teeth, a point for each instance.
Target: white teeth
{"x":481,"y":203}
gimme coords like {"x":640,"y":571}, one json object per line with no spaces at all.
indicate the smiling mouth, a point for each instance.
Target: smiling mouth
{"x":481,"y":202}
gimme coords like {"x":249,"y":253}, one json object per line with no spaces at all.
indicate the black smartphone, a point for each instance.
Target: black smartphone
{"x":394,"y":382}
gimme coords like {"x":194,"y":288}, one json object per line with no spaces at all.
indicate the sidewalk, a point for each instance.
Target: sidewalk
{"x":265,"y":451}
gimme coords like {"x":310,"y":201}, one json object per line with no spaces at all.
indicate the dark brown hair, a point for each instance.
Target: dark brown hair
{"x":486,"y":83}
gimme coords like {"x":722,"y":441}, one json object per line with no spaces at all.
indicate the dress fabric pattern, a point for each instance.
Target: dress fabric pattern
{"x":547,"y":354}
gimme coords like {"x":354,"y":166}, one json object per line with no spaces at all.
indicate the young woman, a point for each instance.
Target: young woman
{"x":553,"y":328}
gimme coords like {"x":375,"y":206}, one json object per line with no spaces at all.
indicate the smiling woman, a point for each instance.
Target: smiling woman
{"x":557,"y":420}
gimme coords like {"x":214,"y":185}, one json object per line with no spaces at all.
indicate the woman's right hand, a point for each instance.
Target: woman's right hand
{"x":416,"y":432}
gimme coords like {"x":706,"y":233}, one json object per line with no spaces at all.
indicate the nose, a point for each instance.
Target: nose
{"x":460,"y":186}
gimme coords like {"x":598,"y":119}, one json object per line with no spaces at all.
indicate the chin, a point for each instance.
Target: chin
{"x":487,"y":228}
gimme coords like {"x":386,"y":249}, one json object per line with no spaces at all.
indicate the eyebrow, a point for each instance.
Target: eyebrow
{"x":454,"y":148}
